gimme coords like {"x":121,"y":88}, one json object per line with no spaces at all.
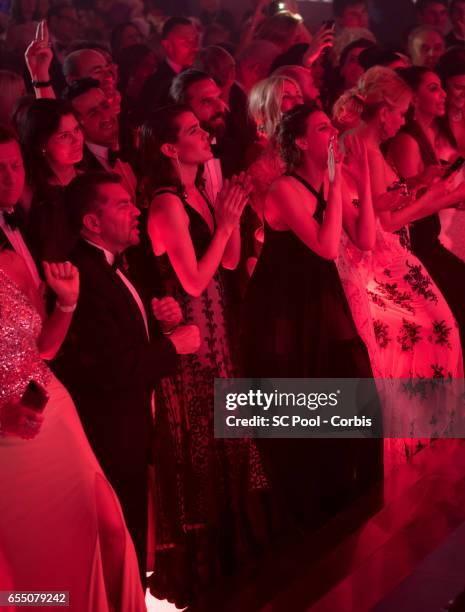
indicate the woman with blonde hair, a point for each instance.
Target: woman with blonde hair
{"x":416,"y":333}
{"x":268,"y":100}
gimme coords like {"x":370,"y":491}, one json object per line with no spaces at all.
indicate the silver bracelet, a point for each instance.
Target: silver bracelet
{"x":66,"y":308}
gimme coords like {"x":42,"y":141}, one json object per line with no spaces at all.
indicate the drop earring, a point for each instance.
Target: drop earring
{"x":181,"y":183}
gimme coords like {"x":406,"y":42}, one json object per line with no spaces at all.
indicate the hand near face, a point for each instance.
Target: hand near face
{"x":334,"y":161}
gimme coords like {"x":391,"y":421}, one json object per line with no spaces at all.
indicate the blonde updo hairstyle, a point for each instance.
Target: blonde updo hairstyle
{"x":265,"y":103}
{"x":378,"y":87}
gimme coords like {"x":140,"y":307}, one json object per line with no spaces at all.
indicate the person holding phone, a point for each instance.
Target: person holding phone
{"x":61,"y":525}
{"x":297,"y":320}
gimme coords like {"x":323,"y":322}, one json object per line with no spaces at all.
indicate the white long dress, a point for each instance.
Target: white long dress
{"x":60,"y":520}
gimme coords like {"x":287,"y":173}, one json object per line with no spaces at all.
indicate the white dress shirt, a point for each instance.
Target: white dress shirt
{"x":213,"y":176}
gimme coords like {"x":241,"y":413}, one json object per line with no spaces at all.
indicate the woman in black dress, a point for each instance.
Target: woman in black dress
{"x":52,"y":145}
{"x":297,"y":319}
{"x":203,"y":483}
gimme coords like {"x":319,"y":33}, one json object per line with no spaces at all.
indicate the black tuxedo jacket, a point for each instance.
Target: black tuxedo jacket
{"x":240,"y":126}
{"x":111,"y":369}
{"x":89,"y":162}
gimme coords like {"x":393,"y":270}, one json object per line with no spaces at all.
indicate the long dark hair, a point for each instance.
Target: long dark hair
{"x":413,"y":76}
{"x":39,"y":122}
{"x":157,"y":170}
{"x":293,"y":126}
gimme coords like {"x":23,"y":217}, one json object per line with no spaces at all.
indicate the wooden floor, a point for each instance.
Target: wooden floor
{"x":402,"y":547}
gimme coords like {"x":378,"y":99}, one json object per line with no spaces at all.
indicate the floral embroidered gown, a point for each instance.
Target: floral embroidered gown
{"x":416,"y":334}
{"x":206,"y":480}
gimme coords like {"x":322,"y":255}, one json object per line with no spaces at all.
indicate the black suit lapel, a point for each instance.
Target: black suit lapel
{"x":89,"y":161}
{"x":4,"y":241}
{"x":98,"y":255}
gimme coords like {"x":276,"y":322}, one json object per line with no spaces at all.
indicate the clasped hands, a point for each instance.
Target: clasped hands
{"x":186,"y":338}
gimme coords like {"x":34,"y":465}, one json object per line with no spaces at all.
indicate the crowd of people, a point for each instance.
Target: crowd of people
{"x":186,"y":198}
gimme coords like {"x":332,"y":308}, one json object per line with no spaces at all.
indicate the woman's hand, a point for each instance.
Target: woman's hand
{"x":357,"y":161}
{"x":19,"y":420}
{"x":334,"y":161}
{"x":323,"y":39}
{"x":63,"y":279}
{"x":39,"y":55}
{"x":231,"y":201}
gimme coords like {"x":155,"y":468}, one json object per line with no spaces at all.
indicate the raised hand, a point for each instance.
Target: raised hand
{"x":63,"y":279}
{"x":231,"y":201}
{"x":334,"y":160}
{"x":39,"y":55}
{"x":168,"y":313}
{"x":357,"y":161}
{"x":322,"y":40}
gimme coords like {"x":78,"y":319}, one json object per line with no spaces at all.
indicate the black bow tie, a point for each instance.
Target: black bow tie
{"x":120,"y":263}
{"x":11,"y":219}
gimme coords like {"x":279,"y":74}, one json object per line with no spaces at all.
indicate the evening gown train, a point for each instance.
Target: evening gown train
{"x":59,"y":517}
{"x":298,"y":324}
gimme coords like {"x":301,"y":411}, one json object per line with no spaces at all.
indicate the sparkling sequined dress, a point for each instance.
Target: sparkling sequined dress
{"x":58,"y":514}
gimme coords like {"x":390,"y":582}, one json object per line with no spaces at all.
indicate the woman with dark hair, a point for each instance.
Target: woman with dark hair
{"x":451,"y":70}
{"x":52,"y":143}
{"x":297,"y":319}
{"x":421,"y":146}
{"x":202,"y":532}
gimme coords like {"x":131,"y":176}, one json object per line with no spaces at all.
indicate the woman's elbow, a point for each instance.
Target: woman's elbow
{"x":193,"y":289}
{"x":330,"y":253}
{"x":366,"y":243}
{"x":47,"y":354}
{"x":230,"y":263}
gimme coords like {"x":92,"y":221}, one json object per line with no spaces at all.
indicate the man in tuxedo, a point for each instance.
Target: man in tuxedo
{"x":11,"y":188}
{"x":180,"y":40}
{"x":99,"y":123}
{"x":115,"y":352}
